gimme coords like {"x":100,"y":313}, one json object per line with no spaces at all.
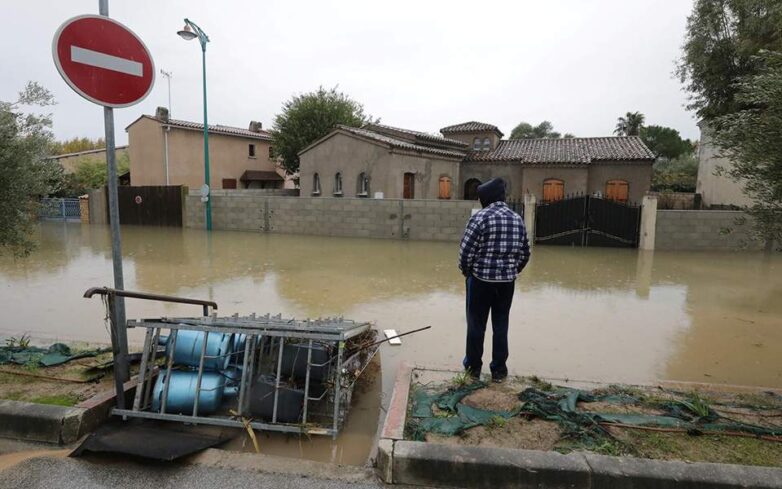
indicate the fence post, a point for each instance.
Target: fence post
{"x":648,"y":222}
{"x":62,"y":210}
{"x":529,"y":216}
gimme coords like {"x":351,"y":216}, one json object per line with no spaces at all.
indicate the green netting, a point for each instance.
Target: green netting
{"x":56,"y":354}
{"x":560,"y":405}
{"x":442,"y":412}
{"x":452,"y":417}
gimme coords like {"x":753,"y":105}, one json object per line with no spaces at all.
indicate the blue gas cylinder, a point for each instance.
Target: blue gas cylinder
{"x":219,"y":348}
{"x":181,"y":392}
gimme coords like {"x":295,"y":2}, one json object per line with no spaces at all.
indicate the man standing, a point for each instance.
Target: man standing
{"x":493,"y":251}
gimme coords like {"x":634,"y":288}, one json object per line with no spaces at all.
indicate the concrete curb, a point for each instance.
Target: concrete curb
{"x":430,"y":464}
{"x":60,"y":425}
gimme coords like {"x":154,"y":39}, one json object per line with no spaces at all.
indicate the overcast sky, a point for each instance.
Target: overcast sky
{"x":419,"y":64}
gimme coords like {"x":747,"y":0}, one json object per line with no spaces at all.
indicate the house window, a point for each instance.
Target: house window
{"x":408,"y":191}
{"x":476,"y":144}
{"x":316,"y":184}
{"x":229,"y":183}
{"x":338,"y":184}
{"x":271,"y":153}
{"x":553,"y":190}
{"x":251,"y":151}
{"x":445,"y":188}
{"x":617,"y":190}
{"x":486,"y":144}
{"x":362,"y":185}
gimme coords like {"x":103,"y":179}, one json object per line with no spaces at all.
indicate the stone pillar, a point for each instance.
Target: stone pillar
{"x":648,"y":222}
{"x":84,"y":208}
{"x":529,"y":216}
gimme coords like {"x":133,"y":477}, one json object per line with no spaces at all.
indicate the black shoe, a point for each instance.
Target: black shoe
{"x":498,"y":379}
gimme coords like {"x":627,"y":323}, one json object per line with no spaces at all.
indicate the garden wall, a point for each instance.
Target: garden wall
{"x":704,"y":230}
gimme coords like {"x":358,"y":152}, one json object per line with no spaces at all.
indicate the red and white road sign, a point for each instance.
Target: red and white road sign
{"x":103,"y":61}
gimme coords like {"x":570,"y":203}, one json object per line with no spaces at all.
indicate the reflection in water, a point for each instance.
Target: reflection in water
{"x":602,"y":314}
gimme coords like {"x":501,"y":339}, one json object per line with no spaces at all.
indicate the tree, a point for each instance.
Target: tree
{"x":630,"y":124}
{"x":723,"y":37}
{"x":752,"y":139}
{"x":75,"y":145}
{"x":25,"y":172}
{"x":675,"y":175}
{"x":93,"y":172}
{"x":545,"y":129}
{"x":307,"y":118}
{"x":665,"y":142}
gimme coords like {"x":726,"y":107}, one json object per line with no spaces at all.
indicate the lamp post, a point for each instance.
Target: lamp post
{"x":188,"y":33}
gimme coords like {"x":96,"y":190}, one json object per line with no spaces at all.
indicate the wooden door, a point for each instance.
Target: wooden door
{"x":617,"y":190}
{"x":229,"y":183}
{"x":408,"y":191}
{"x":553,"y":190}
{"x":445,"y":188}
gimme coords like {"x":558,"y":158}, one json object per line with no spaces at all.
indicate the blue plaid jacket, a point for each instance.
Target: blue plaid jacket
{"x":494,"y":247}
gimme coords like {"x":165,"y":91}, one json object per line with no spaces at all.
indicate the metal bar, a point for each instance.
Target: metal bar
{"x":222,"y":421}
{"x":146,"y":296}
{"x":337,"y":382}
{"x":251,"y":373}
{"x":151,"y":368}
{"x":240,"y":407}
{"x":206,"y":310}
{"x":200,"y":374}
{"x":244,"y":330}
{"x":169,"y":364}
{"x":142,"y":372}
{"x":279,"y":374}
{"x":307,"y":383}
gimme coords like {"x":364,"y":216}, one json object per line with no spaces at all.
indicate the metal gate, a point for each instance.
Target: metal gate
{"x":57,"y":208}
{"x":587,"y":221}
{"x":150,"y":205}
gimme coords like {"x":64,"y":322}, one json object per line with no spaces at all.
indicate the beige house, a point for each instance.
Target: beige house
{"x":383,"y":161}
{"x":716,"y":190}
{"x":69,"y":161}
{"x":166,"y":151}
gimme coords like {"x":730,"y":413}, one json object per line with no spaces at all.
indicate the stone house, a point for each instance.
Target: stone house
{"x":166,"y":151}
{"x":383,"y":161}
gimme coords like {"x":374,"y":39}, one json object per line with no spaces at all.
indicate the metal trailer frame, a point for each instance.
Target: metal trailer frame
{"x":256,"y":329}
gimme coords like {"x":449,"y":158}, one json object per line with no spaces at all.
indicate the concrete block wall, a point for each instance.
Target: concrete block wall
{"x":703,"y":230}
{"x":438,"y":220}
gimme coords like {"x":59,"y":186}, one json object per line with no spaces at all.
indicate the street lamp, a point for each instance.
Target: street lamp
{"x":188,"y":33}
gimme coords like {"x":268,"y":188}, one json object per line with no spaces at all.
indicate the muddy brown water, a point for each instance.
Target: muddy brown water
{"x":597,"y":314}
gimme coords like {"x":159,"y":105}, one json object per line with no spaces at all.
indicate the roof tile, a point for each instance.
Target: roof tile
{"x":567,"y":150}
{"x":472,"y":126}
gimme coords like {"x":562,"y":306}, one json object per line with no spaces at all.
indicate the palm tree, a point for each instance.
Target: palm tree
{"x":630,"y":124}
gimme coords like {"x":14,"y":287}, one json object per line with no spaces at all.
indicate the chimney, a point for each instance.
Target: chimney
{"x":161,"y":113}
{"x":256,"y":126}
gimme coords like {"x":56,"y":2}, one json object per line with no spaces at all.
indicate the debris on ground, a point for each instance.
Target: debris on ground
{"x":650,"y":422}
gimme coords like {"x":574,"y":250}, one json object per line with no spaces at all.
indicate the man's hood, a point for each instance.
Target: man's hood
{"x":491,"y":192}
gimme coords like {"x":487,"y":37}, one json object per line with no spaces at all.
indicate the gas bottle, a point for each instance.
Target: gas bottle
{"x":219,"y":348}
{"x":181,"y":392}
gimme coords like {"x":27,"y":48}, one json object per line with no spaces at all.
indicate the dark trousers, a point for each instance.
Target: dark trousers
{"x":484,"y":298}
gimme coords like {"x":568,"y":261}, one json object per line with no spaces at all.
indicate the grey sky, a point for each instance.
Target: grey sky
{"x":415,"y":64}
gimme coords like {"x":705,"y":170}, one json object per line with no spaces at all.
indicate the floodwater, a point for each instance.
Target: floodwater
{"x":588,"y":314}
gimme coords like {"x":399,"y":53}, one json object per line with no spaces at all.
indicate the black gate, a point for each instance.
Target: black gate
{"x":150,"y":205}
{"x":587,"y":221}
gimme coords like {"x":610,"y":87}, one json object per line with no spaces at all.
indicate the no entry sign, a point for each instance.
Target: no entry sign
{"x":103,"y":61}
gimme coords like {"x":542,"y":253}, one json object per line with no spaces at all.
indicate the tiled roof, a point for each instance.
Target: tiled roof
{"x":86,"y":152}
{"x":218,"y":129}
{"x":567,"y":150}
{"x":435,"y":138}
{"x":471,"y":126}
{"x":260,"y":176}
{"x":401,"y":143}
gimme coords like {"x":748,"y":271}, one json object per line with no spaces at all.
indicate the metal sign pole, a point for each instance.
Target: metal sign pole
{"x":121,"y":371}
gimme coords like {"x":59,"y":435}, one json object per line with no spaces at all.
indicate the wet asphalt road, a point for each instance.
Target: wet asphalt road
{"x":67,"y":473}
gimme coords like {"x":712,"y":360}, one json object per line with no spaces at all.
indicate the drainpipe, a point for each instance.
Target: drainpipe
{"x":166,"y":130}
